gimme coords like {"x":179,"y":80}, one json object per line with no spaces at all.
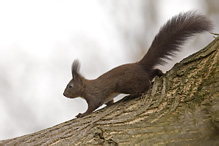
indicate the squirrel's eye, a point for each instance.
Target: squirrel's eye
{"x":70,"y":86}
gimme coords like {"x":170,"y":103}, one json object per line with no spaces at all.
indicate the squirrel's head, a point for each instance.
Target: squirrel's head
{"x":75,"y":86}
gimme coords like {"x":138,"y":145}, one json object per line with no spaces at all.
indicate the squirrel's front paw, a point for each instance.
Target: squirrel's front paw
{"x":80,"y":115}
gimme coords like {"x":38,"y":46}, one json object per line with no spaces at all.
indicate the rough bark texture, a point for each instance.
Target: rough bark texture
{"x":182,"y":107}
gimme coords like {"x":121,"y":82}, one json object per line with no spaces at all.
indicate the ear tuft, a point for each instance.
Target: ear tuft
{"x":75,"y":67}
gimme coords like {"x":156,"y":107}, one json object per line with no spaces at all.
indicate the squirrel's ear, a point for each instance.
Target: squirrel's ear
{"x":75,"y":68}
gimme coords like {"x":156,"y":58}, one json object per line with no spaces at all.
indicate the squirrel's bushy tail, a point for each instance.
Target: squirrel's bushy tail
{"x":172,"y":35}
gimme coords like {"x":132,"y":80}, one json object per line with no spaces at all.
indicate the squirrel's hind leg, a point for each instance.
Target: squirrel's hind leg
{"x":110,"y":102}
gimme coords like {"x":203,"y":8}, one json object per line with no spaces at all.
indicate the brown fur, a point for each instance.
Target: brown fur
{"x":136,"y":78}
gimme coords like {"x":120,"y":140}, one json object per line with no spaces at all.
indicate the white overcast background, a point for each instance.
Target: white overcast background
{"x":39,"y":41}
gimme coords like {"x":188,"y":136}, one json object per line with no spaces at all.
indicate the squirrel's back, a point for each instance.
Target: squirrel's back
{"x":172,"y":35}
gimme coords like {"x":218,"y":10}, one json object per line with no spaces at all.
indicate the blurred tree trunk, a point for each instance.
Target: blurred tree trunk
{"x":135,"y":21}
{"x":181,"y":108}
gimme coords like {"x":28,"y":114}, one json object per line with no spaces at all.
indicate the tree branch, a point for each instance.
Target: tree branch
{"x":182,"y":107}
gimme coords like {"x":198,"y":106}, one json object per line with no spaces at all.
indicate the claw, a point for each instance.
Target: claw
{"x":79,"y":115}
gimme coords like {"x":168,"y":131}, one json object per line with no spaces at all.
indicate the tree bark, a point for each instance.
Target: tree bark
{"x":182,"y":107}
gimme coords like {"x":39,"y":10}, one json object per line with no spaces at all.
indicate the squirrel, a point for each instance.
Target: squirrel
{"x":136,"y":78}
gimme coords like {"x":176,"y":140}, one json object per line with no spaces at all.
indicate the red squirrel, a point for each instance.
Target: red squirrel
{"x":136,"y":78}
